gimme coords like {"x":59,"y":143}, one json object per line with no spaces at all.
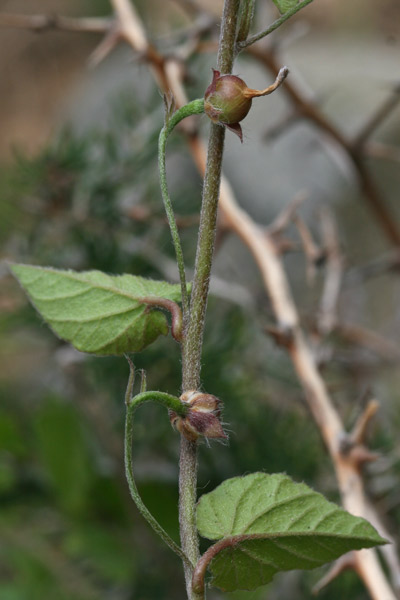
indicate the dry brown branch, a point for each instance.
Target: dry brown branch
{"x":343,"y":564}
{"x":42,"y":23}
{"x":370,"y":340}
{"x":376,"y":119}
{"x":143,"y":214}
{"x":311,"y":251}
{"x":283,"y":220}
{"x":277,"y":129}
{"x":334,"y":270}
{"x":359,"y":430}
{"x":388,"y":263}
{"x":382,"y":151}
{"x":106,"y":46}
{"x":306,"y":108}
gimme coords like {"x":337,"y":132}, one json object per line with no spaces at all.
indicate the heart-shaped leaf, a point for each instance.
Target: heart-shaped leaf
{"x":97,"y":313}
{"x":285,"y":5}
{"x":268,"y":523}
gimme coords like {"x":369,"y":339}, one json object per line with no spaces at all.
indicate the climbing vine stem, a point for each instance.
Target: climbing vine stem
{"x":132,"y":404}
{"x":171,"y":121}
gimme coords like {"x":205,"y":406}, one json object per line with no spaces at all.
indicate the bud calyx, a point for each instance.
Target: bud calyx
{"x":228,"y":99}
{"x":203,"y":417}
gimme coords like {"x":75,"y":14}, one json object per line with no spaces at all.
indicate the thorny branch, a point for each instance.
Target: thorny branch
{"x":128,"y":26}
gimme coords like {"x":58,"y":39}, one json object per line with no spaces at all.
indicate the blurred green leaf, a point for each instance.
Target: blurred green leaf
{"x":63,"y":448}
{"x":97,"y":313}
{"x":8,"y":476}
{"x":104,"y":550}
{"x":276,"y":525}
{"x":11,"y":438}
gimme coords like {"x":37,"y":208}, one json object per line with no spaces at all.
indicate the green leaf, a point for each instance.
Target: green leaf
{"x":97,"y":313}
{"x":272,"y":524}
{"x":285,"y":5}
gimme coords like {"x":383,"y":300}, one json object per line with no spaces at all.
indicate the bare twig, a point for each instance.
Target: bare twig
{"x":277,"y":129}
{"x":369,"y":340}
{"x":43,"y":23}
{"x":106,"y":46}
{"x":376,"y":119}
{"x":311,"y":251}
{"x":388,"y":263}
{"x":334,"y":270}
{"x":309,"y":110}
{"x":284,"y":218}
{"x":342,"y":564}
{"x":382,"y":151}
{"x":359,"y":430}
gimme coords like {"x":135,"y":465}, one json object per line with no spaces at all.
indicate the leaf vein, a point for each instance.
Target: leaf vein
{"x":325,"y":516}
{"x":254,"y":556}
{"x":294,"y":552}
{"x":239,"y":501}
{"x":300,"y":516}
{"x":101,"y":317}
{"x":289,"y":500}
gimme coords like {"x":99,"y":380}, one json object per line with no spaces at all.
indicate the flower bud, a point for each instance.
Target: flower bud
{"x":224,"y":101}
{"x":203,"y":417}
{"x":228,"y":99}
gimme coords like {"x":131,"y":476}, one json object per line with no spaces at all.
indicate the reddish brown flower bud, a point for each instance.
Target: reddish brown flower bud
{"x":228,"y":99}
{"x":224,"y":100}
{"x":203,"y":417}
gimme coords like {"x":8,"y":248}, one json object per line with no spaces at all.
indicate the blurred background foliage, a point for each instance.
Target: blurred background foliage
{"x":80,"y":190}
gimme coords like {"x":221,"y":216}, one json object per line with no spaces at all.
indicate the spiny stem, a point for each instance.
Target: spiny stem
{"x":195,"y":107}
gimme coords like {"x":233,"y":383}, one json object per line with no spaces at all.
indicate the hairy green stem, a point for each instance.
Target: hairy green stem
{"x":246,"y":17}
{"x":192,"y":108}
{"x":132,"y":404}
{"x":192,"y":345}
{"x":258,"y":36}
{"x":193,"y":337}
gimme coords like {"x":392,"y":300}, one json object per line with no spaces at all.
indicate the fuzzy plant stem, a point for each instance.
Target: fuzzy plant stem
{"x":193,"y":336}
{"x":192,"y":108}
{"x":132,"y":404}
